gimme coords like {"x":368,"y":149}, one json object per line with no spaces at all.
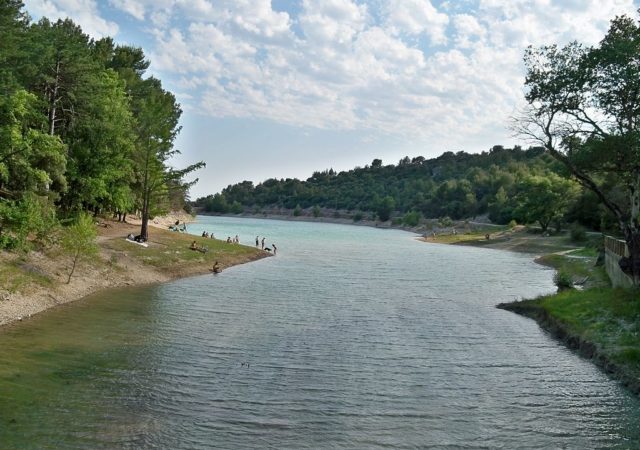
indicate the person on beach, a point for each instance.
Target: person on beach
{"x":257,"y":242}
{"x":212,"y":236}
{"x":273,"y":246}
{"x":236,"y":240}
{"x":194,"y":245}
{"x":263,"y":243}
{"x":228,"y":239}
{"x":216,"y":268}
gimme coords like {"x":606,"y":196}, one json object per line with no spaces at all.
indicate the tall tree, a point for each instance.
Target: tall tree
{"x":63,"y":70}
{"x":544,"y":199}
{"x":157,"y":117}
{"x":13,"y":25}
{"x":584,"y":108}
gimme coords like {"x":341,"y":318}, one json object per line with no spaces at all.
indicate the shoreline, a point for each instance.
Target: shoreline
{"x":583,"y":347}
{"x":41,"y":278}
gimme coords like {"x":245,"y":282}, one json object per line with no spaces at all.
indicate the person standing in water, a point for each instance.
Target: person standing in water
{"x":262,"y":243}
{"x":273,"y":246}
{"x":257,"y":242}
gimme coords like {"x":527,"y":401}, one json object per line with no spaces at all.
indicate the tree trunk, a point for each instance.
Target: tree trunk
{"x":73,"y":268}
{"x":144,"y":229}
{"x":53,"y":100}
{"x":631,"y":229}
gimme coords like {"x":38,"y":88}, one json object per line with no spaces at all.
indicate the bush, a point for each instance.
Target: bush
{"x":236,"y":208}
{"x":445,"y":221}
{"x":563,"y":280}
{"x":316,"y":211}
{"x":578,"y":233}
{"x":412,"y":218}
{"x":357,"y":217}
{"x":297,"y":211}
{"x":512,"y":224}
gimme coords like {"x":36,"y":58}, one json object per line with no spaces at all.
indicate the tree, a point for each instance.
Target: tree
{"x":78,"y":240}
{"x":157,"y":114}
{"x":385,"y":208}
{"x":30,"y":159}
{"x":101,"y":145}
{"x":544,"y":199}
{"x":584,"y":108}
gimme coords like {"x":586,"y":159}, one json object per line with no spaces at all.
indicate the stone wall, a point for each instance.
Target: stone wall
{"x":614,"y":250}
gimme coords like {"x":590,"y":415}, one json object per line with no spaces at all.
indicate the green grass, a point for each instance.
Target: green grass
{"x":15,"y":277}
{"x":588,"y":252}
{"x":169,"y":249}
{"x":579,"y":267}
{"x":608,"y":318}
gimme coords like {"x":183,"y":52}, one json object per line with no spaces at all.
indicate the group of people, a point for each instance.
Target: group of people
{"x":206,"y":235}
{"x":177,"y":227}
{"x":235,"y":240}
{"x":260,"y":243}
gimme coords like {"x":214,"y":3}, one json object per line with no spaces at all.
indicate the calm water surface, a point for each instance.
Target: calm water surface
{"x":350,"y":337}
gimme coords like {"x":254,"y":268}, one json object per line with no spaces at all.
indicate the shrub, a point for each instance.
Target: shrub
{"x":563,"y":280}
{"x":357,"y":217}
{"x":445,"y":221}
{"x":512,"y":224}
{"x":316,"y":211}
{"x":412,"y":218}
{"x":297,"y":211}
{"x":578,"y":233}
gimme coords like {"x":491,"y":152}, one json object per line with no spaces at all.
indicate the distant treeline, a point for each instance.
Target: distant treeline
{"x":506,"y":184}
{"x":81,"y":128}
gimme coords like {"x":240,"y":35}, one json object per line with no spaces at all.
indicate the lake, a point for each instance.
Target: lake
{"x":351,"y":337}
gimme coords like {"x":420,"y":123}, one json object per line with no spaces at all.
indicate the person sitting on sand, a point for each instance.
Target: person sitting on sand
{"x":194,"y":245}
{"x":216,"y":268}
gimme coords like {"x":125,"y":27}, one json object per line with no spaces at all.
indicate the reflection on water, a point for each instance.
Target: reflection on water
{"x":350,"y":337}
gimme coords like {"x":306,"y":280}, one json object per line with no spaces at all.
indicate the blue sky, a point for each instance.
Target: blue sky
{"x":281,"y":88}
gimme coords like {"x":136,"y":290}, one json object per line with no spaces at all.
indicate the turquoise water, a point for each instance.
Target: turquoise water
{"x":350,"y":337}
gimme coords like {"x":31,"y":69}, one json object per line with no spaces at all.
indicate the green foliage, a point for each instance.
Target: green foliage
{"x":578,"y":233}
{"x":385,"y":207}
{"x":236,"y":207}
{"x":316,"y":211}
{"x":543,"y":199}
{"x":297,"y":211}
{"x":563,"y":280}
{"x":31,"y":215}
{"x":583,"y":104}
{"x":445,"y":221}
{"x":79,"y":128}
{"x":357,"y":217}
{"x":456,"y":185}
{"x":412,"y":218}
{"x":512,"y":224}
{"x":30,"y":159}
{"x":78,"y":241}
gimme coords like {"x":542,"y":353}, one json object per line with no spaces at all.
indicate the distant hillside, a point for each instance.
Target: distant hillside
{"x":455,"y":185}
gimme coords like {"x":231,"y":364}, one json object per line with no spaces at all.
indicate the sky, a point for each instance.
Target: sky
{"x":283,"y":88}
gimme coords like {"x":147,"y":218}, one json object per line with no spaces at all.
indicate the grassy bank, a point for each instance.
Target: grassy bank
{"x":602,"y":324}
{"x":33,"y":282}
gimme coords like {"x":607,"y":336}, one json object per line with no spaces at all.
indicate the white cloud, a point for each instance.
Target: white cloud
{"x":83,"y":12}
{"x":401,"y":67}
{"x":136,"y":9}
{"x":416,"y":17}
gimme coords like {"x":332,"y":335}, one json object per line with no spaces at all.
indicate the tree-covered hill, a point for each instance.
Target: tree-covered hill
{"x":507,"y":184}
